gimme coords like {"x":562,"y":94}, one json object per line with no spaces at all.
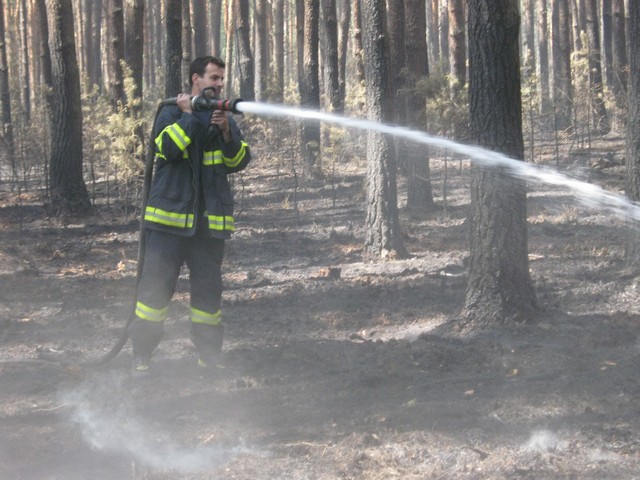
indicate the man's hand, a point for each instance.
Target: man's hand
{"x":221,"y":119}
{"x":184,"y":102}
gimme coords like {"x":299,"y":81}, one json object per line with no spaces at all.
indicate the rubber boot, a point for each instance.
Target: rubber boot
{"x":145,"y":337}
{"x":208,"y":341}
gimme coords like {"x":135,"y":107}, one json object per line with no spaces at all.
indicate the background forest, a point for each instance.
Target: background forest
{"x":394,"y":309}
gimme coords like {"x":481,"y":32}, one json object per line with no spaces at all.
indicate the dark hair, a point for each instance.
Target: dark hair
{"x":199,"y":65}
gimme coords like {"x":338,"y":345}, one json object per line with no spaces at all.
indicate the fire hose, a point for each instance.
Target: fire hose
{"x":198,"y":103}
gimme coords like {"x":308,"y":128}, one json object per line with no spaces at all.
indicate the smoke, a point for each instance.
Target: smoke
{"x":108,"y":421}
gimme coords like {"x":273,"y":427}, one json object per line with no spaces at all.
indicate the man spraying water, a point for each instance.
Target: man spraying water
{"x":189,"y":214}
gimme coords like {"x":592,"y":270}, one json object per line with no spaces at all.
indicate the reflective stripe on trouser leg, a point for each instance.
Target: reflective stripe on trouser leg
{"x":164,"y":255}
{"x":199,"y":316}
{"x":204,"y":260}
{"x":145,"y":312}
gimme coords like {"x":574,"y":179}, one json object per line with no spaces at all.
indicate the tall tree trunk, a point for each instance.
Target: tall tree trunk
{"x":199,"y":23}
{"x":357,"y":41}
{"x":173,"y":53}
{"x":245,"y":57}
{"x":134,"y":42}
{"x":45,"y":52}
{"x":344,"y":18}
{"x":542,"y":56}
{"x":577,"y":25}
{"x":600,"y":115}
{"x":382,"y":221}
{"x":419,"y":190}
{"x":67,"y":188}
{"x":433,"y":28}
{"x":330,"y":55}
{"x":499,"y":289}
{"x":619,"y":54}
{"x":187,"y":41}
{"x":261,"y":50}
{"x":396,"y":45}
{"x":310,"y":88}
{"x":215,"y":16}
{"x":24,"y":59}
{"x":116,"y":31}
{"x":230,"y":21}
{"x":5,"y":95}
{"x":443,"y":34}
{"x":633,"y":127}
{"x":528,"y":36}
{"x":561,"y":52}
{"x":457,"y":44}
{"x":278,"y":46}
{"x":607,"y":40}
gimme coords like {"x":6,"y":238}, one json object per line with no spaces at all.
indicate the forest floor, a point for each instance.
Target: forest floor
{"x":332,"y":368}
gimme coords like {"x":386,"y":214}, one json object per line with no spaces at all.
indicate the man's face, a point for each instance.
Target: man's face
{"x":213,"y":77}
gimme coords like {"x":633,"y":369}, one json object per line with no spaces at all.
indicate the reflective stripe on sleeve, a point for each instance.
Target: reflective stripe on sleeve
{"x":233,"y":162}
{"x":221,"y":223}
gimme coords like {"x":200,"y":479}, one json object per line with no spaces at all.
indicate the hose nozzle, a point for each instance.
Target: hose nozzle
{"x":201,"y":103}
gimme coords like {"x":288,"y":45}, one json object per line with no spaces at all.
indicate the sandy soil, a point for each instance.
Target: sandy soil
{"x":332,"y":368}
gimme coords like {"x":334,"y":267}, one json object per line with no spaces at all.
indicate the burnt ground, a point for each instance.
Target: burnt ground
{"x":332,"y":368}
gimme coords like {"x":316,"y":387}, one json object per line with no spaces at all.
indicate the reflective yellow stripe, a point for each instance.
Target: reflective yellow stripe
{"x":172,"y":219}
{"x":145,"y":312}
{"x":198,"y":316}
{"x":212,"y":158}
{"x":221,"y":223}
{"x":233,"y":162}
{"x":177,"y":134}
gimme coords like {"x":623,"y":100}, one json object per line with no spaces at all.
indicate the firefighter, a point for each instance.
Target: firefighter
{"x":188,"y":216}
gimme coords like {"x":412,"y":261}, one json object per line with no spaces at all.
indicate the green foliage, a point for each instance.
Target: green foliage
{"x":447,"y":107}
{"x":114,"y":141}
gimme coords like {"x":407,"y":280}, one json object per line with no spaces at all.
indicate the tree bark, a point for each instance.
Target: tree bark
{"x":457,"y":44}
{"x":230,"y":21}
{"x":26,"y":66}
{"x":633,"y":128}
{"x":134,"y":42}
{"x":261,"y":50}
{"x":310,"y":88}
{"x":344,"y":19}
{"x":245,"y":57}
{"x":68,"y":192}
{"x":199,"y":24}
{"x":619,"y":54}
{"x":215,"y":16}
{"x":278,"y":56}
{"x":187,"y":42}
{"x":499,"y":289}
{"x":542,"y":56}
{"x":173,"y":53}
{"x":357,"y":41}
{"x":600,"y":115}
{"x":5,"y":95}
{"x":561,"y":53}
{"x":116,"y":32}
{"x":419,"y":189}
{"x":382,"y":222}
{"x":330,"y":55}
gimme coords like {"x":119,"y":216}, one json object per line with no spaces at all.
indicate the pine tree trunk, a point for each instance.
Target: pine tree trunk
{"x":173,"y":53}
{"x":499,"y":289}
{"x":278,"y":54}
{"x":619,"y":54}
{"x":633,"y":128}
{"x":261,"y":50}
{"x":419,"y":189}
{"x":245,"y":57}
{"x":382,"y":236}
{"x":310,"y":89}
{"x":600,"y":115}
{"x":199,"y":24}
{"x":68,"y":192}
{"x":561,"y":52}
{"x":116,"y":31}
{"x":344,"y":19}
{"x":457,"y":44}
{"x":134,"y":42}
{"x":330,"y":55}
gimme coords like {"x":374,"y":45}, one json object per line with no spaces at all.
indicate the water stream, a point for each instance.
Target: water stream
{"x":588,"y":194}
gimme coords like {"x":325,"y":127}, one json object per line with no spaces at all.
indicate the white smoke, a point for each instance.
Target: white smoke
{"x":109,"y":424}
